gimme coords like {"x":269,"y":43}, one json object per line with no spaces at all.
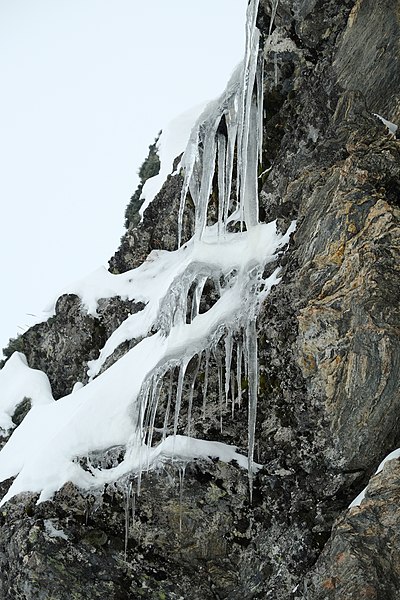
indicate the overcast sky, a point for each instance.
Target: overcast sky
{"x":85,"y":87}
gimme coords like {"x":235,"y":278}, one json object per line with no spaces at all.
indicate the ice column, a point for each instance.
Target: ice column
{"x":232,"y":122}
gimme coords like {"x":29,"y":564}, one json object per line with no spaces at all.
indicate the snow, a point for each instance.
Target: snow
{"x":217,"y":256}
{"x":173,"y":447}
{"x":41,"y":452}
{"x":52,"y":532}
{"x":118,"y":407}
{"x":279,"y":43}
{"x":17,"y":382}
{"x":393,"y":455}
{"x":171,"y":144}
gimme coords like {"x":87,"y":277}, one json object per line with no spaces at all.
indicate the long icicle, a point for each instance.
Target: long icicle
{"x":205,"y":386}
{"x":251,"y":336}
{"x":191,"y":394}
{"x":179,"y":392}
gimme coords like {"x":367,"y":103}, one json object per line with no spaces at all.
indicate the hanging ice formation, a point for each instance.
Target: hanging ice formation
{"x":232,"y":122}
{"x":120,"y":407}
{"x":229,"y":127}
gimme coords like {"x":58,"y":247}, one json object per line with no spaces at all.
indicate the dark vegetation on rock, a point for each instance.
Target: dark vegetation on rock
{"x":329,"y":358}
{"x":149,"y":168}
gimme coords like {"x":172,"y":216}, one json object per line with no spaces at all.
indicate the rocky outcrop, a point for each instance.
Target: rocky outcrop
{"x":328,"y":361}
{"x":361,"y":559}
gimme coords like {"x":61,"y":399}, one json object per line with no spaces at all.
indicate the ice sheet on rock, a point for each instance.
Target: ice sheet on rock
{"x":52,"y":532}
{"x":178,"y":448}
{"x":273,"y":15}
{"x":172,"y":143}
{"x":17,"y":382}
{"x":392,"y":127}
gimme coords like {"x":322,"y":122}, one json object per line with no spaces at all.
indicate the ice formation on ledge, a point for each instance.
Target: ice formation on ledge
{"x":392,"y":127}
{"x":119,"y":407}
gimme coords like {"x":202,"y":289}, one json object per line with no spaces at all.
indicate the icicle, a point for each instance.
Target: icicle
{"x":127,"y":495}
{"x":209,"y":155}
{"x":205,"y":386}
{"x":191,"y":393}
{"x":251,"y":339}
{"x":139,"y":476}
{"x":249,"y":149}
{"x":260,"y":104}
{"x":188,"y":163}
{"x":133,"y":507}
{"x":221,"y":181}
{"x":155,"y":396}
{"x":228,"y":361}
{"x":220,"y":386}
{"x":179,"y":392}
{"x":233,"y":393}
{"x":197,"y":294}
{"x":142,"y":403}
{"x":168,"y":409}
{"x":232,"y":127}
{"x":239,"y":371}
{"x":250,"y":173}
{"x":245,"y":355}
{"x":181,"y":480}
{"x":249,"y":73}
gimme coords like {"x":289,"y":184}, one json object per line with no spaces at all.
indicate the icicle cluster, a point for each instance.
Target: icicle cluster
{"x":229,"y":132}
{"x":230,"y":128}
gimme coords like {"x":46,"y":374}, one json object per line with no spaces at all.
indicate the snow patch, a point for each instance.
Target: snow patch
{"x":52,"y":532}
{"x":395,"y":454}
{"x":17,"y":382}
{"x":110,"y":410}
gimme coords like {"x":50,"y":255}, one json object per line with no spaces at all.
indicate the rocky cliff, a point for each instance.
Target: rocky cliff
{"x":328,"y":362}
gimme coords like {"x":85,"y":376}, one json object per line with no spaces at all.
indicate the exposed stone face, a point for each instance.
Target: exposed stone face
{"x":157,"y":231}
{"x":361,"y":560}
{"x":328,"y":362}
{"x":58,"y":346}
{"x":63,"y":345}
{"x":372,"y":67}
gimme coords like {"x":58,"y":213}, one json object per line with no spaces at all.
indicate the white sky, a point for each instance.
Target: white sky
{"x":85,"y":87}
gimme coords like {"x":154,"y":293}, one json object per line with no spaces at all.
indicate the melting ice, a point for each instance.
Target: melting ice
{"x":119,"y":407}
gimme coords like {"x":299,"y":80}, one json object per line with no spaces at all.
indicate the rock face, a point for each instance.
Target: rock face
{"x":329,"y":358}
{"x":361,"y":560}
